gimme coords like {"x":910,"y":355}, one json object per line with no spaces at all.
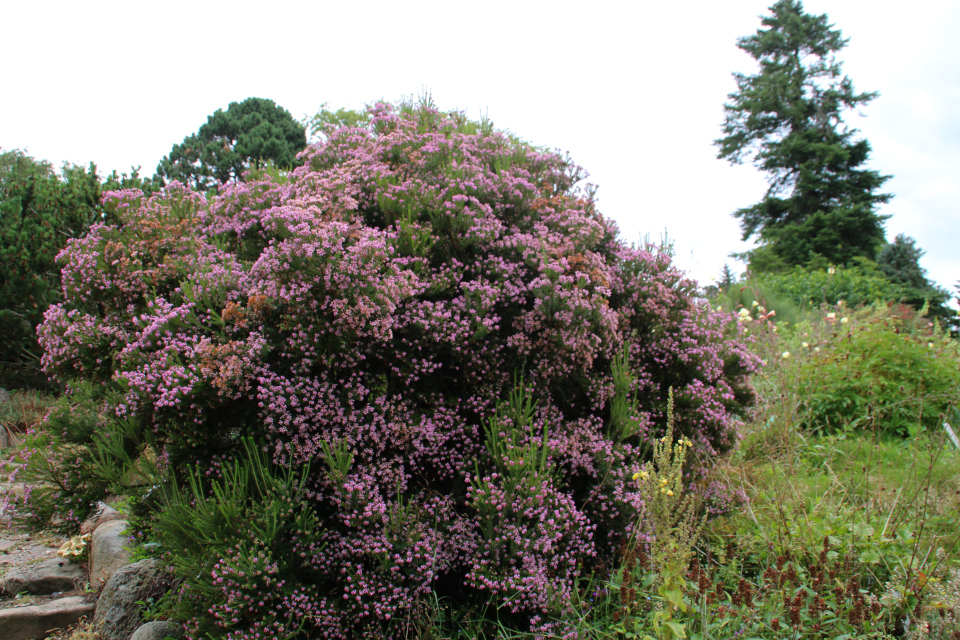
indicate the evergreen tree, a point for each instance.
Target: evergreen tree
{"x":787,"y":119}
{"x":40,"y":211}
{"x":245,"y":135}
{"x":900,"y":264}
{"x":726,"y":277}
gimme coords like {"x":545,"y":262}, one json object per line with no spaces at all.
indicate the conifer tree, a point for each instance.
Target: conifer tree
{"x":232,"y":141}
{"x":821,"y":205}
{"x":40,"y":211}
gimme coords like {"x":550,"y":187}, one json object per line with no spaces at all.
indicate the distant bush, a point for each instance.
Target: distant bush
{"x":854,"y":286}
{"x":450,"y":364}
{"x":880,"y":367}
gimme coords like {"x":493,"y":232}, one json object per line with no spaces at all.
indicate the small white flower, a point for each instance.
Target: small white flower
{"x":786,"y":354}
{"x":816,"y":349}
{"x":844,"y":320}
{"x":755,"y":304}
{"x":831,"y":271}
{"x":805,"y":344}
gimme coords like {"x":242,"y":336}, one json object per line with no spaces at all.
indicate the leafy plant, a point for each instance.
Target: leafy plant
{"x":869,"y":368}
{"x":239,"y":540}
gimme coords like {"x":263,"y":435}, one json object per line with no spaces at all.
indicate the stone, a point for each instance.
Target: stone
{"x":102,"y":515}
{"x":34,"y":621}
{"x":22,"y":553}
{"x":158,"y":631}
{"x":43,"y":578}
{"x":118,"y":615}
{"x":4,"y":396}
{"x":108,"y":552}
{"x":4,"y":438}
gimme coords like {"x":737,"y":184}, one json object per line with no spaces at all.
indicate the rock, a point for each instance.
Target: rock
{"x":4,"y":438}
{"x":43,"y":578}
{"x":103,"y":515}
{"x":4,"y":396}
{"x":158,"y":631}
{"x":34,"y":621}
{"x":108,"y":552}
{"x":21,"y":553}
{"x":118,"y":614}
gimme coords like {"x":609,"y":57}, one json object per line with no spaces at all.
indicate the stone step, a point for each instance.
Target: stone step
{"x":33,"y":622}
{"x":43,"y":578}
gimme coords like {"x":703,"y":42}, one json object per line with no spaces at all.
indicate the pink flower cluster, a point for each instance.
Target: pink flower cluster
{"x":385,"y":296}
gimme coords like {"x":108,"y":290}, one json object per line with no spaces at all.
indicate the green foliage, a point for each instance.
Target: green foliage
{"x":242,"y":533}
{"x":878,"y":368}
{"x":61,"y":494}
{"x":727,"y":278}
{"x":900,"y":263}
{"x":326,"y":120}
{"x":40,"y":211}
{"x":24,"y":411}
{"x":821,"y":203}
{"x":810,"y":288}
{"x":849,"y":517}
{"x":647,"y":592}
{"x":118,"y":182}
{"x":244,"y":136}
{"x":80,"y":455}
{"x":801,"y":291}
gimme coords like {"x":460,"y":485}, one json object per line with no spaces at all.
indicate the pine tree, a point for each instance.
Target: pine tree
{"x":900,"y":263}
{"x":821,"y":204}
{"x":726,"y":277}
{"x":245,"y":135}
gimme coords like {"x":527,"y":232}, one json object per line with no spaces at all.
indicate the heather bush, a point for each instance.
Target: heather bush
{"x":430,"y":321}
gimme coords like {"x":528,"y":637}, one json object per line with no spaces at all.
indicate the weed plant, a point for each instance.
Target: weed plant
{"x":24,"y":411}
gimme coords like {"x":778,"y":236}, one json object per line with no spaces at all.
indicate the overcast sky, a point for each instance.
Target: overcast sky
{"x":633,"y":91}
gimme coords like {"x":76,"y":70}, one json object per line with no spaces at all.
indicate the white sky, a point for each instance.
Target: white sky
{"x":634,"y":92}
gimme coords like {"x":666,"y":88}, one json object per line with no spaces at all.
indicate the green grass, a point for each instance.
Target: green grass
{"x":25,"y":410}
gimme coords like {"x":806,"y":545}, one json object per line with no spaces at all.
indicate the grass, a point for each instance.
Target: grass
{"x":25,"y":410}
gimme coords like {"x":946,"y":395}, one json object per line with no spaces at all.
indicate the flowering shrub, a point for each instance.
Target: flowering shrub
{"x":882,"y":367}
{"x":438,"y":313}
